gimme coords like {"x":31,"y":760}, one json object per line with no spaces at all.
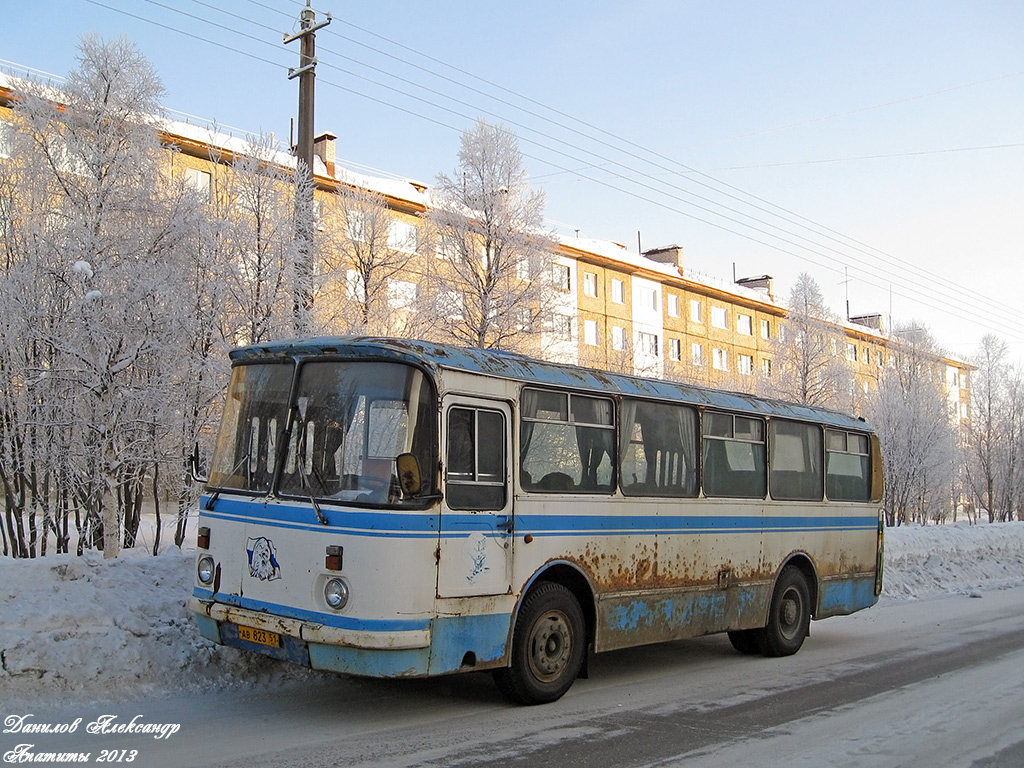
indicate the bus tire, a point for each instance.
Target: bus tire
{"x":745,"y":640}
{"x":547,"y":646}
{"x":789,"y":615}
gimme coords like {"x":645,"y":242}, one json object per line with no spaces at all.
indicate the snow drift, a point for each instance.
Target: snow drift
{"x":90,"y":628}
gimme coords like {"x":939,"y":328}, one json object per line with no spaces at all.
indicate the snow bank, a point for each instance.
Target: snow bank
{"x":923,"y":561}
{"x":97,"y":629}
{"x":85,"y":627}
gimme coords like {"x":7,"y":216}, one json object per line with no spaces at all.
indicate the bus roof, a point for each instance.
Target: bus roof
{"x":517,"y":367}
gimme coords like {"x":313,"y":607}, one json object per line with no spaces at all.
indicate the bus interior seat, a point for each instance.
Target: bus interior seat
{"x":556,"y":481}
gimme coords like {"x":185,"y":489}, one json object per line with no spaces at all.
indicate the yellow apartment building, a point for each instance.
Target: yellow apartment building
{"x":616,"y":310}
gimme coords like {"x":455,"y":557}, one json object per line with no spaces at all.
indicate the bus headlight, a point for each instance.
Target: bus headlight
{"x":336,"y":593}
{"x":205,"y":569}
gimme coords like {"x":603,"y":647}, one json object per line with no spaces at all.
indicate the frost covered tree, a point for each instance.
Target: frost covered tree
{"x":376,"y":254}
{"x":995,"y":438}
{"x":87,"y":312}
{"x":918,"y":434}
{"x":253,"y":229}
{"x":807,"y":367}
{"x":490,"y":284}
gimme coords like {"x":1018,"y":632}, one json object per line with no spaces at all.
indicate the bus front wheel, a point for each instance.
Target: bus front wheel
{"x":789,"y":615}
{"x":547,"y":646}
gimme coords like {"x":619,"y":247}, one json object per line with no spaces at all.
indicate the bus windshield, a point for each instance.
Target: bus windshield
{"x":349,"y":421}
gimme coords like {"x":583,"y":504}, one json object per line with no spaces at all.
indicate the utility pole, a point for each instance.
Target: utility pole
{"x":306,"y":72}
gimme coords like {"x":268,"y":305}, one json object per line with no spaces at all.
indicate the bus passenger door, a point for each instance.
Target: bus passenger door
{"x":477,"y":523}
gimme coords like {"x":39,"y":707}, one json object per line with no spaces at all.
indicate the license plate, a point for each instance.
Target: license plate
{"x":259,"y":636}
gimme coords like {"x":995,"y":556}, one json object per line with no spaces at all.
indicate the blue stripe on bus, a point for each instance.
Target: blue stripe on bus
{"x":316,"y":617}
{"x":424,"y":525}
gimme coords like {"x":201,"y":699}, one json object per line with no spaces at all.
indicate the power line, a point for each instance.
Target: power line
{"x":660,"y":203}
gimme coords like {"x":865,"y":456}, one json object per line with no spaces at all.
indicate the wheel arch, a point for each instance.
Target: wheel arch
{"x":572,"y":578}
{"x":805,"y":564}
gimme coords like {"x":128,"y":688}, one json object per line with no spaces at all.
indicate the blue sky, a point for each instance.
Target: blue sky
{"x":878,"y":146}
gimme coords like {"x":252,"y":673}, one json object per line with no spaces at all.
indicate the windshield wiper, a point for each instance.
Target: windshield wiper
{"x":216,"y":494}
{"x":300,"y":463}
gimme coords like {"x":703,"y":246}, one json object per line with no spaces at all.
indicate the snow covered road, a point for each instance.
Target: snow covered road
{"x":930,"y":677}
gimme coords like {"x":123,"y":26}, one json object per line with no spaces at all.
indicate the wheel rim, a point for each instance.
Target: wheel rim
{"x":551,"y":645}
{"x":791,"y":613}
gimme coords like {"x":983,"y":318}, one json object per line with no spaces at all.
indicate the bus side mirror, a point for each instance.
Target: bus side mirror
{"x":408,"y":473}
{"x":193,"y":465}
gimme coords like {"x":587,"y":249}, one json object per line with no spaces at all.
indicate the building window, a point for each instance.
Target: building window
{"x":648,"y":298}
{"x":354,"y":285}
{"x":745,"y":364}
{"x":618,"y":291}
{"x":675,"y":349}
{"x":851,"y":352}
{"x":673,"y":305}
{"x":745,"y":325}
{"x":766,"y":367}
{"x":355,"y":226}
{"x":401,"y":294}
{"x":695,"y":313}
{"x":200,"y":181}
{"x":697,"y":354}
{"x":590,"y":283}
{"x":618,"y":338}
{"x":562,"y":276}
{"x":719,"y":318}
{"x":561,"y":326}
{"x":647,"y":343}
{"x":719,"y":359}
{"x":765,"y":329}
{"x":866,"y":356}
{"x":402,"y":236}
{"x":6,"y":139}
{"x":590,"y":332}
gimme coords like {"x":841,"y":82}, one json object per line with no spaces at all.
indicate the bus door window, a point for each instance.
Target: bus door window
{"x":847,"y":466}
{"x":476,"y":462}
{"x":658,"y":449}
{"x":795,"y":461}
{"x":734,"y":456}
{"x":567,"y":442}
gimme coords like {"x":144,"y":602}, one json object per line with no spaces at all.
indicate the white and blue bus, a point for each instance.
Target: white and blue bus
{"x":393,"y":508}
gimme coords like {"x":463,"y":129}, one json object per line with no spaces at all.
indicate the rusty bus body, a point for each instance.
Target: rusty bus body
{"x":390,"y":508}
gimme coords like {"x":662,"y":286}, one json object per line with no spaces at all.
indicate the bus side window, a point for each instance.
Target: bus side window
{"x":847,"y":466}
{"x":567,"y":442}
{"x":795,"y":461}
{"x":734,"y":456}
{"x":658,"y":449}
{"x":476,"y":462}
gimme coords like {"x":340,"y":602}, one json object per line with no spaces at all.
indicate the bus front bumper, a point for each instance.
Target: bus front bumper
{"x":306,"y":631}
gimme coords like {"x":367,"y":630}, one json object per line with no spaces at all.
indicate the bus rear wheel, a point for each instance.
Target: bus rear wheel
{"x":789,"y":615}
{"x":547,"y":646}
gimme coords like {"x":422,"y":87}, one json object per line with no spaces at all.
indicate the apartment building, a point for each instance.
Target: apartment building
{"x":615,"y":309}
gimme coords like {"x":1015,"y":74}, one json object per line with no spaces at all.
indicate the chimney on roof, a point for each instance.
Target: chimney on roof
{"x":667,"y":254}
{"x":323,"y":147}
{"x":763,"y":284}
{"x":873,"y":320}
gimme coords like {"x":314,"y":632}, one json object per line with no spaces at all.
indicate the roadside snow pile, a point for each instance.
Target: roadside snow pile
{"x":923,"y":561}
{"x":90,"y":628}
{"x":94,"y":628}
